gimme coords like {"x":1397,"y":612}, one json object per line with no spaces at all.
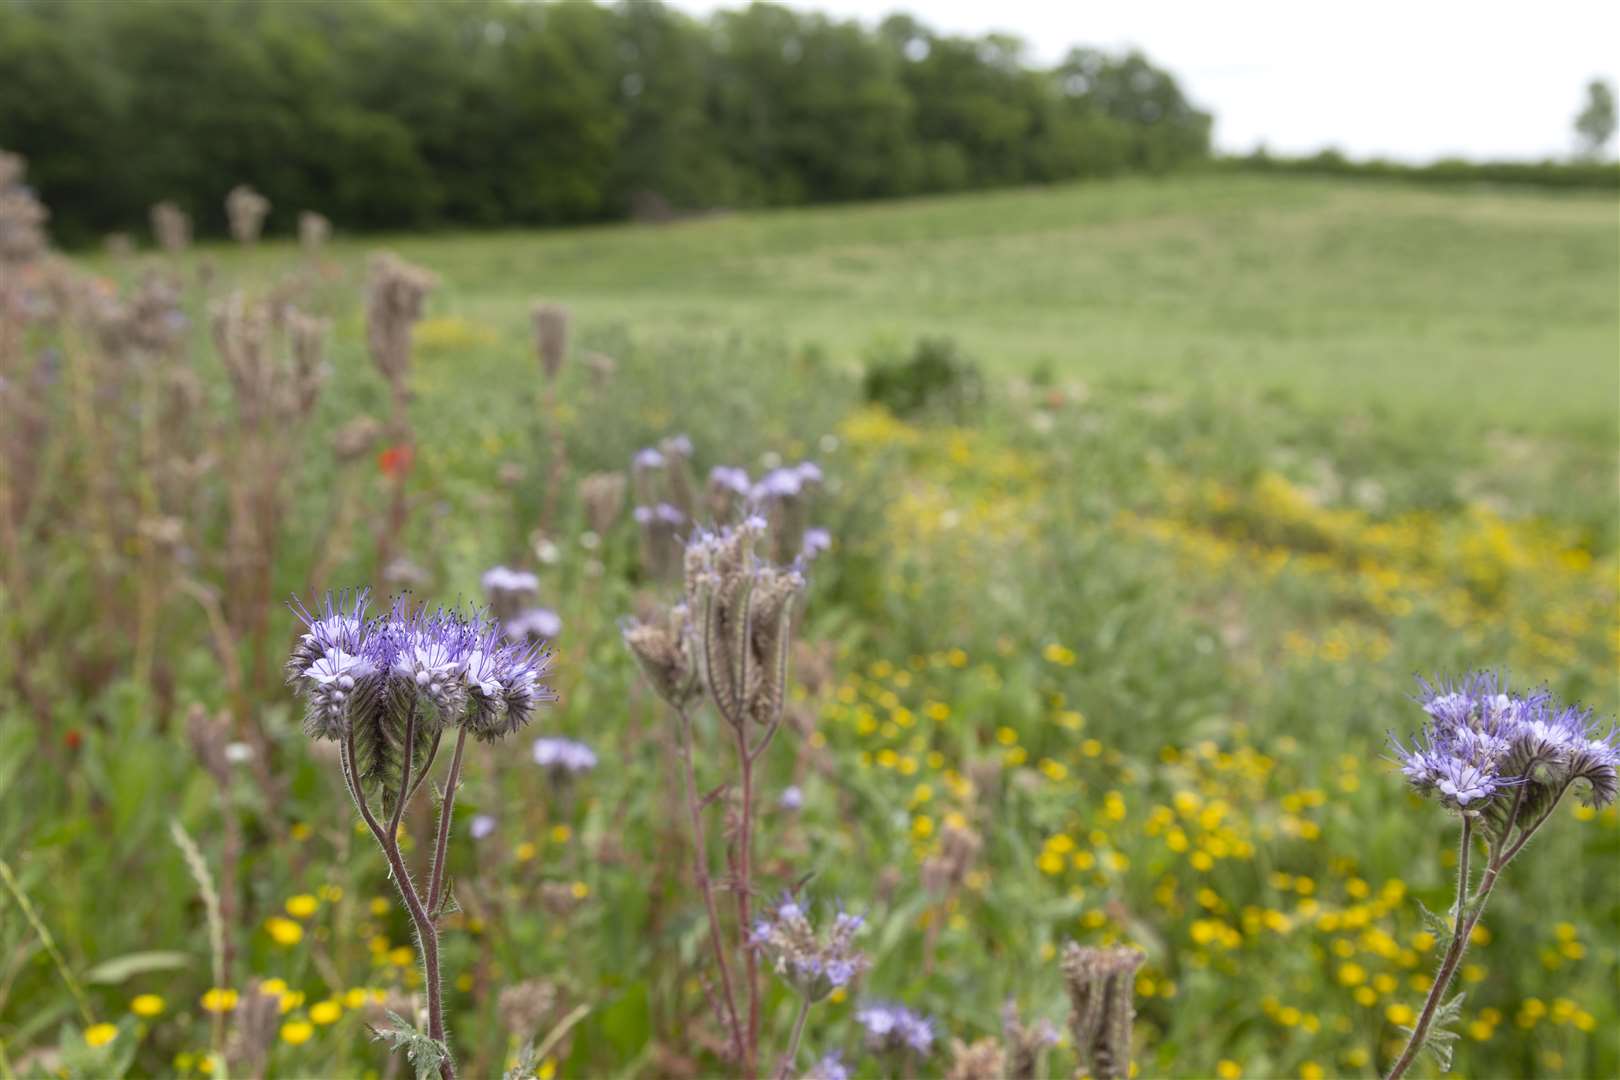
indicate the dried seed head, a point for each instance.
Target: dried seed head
{"x":171,"y":226}
{"x":254,"y":1023}
{"x":313,"y":230}
{"x":1024,"y":1044}
{"x":524,"y":1007}
{"x":603,"y":496}
{"x":394,"y":299}
{"x":550,"y":337}
{"x":246,"y":209}
{"x":356,"y":438}
{"x":948,"y":867}
{"x":662,"y":647}
{"x":22,"y":215}
{"x":602,"y":368}
{"x":980,"y":1060}
{"x":147,"y":322}
{"x":1101,"y":984}
{"x":677,"y":453}
{"x":306,"y":338}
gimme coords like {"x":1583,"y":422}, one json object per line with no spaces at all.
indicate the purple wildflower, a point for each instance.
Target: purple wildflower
{"x":791,"y":798}
{"x":813,"y":964}
{"x":482,"y":826}
{"x":563,"y":757}
{"x":830,"y":1067}
{"x":439,"y":666}
{"x":815,"y":542}
{"x":729,"y":478}
{"x":1481,"y":742}
{"x":892,"y":1028}
{"x":535,"y":624}
{"x":500,"y":579}
{"x":648,"y":458}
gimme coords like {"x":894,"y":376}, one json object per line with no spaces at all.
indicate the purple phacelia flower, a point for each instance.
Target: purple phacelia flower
{"x":815,"y":542}
{"x":563,"y":757}
{"x":412,"y":665}
{"x":729,"y":478}
{"x":813,"y":964}
{"x":535,"y":624}
{"x":500,"y":579}
{"x":1482,"y":742}
{"x":893,"y":1028}
{"x":830,"y":1067}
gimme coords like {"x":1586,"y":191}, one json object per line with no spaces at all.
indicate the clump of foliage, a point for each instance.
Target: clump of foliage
{"x":936,"y":377}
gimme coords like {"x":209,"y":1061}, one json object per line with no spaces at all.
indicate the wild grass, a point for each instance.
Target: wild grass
{"x":1110,"y":660}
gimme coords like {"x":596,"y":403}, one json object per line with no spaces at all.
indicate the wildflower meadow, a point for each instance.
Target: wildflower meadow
{"x":1142,"y":629}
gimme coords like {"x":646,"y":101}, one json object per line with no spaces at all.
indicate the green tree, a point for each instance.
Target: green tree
{"x":1595,"y":123}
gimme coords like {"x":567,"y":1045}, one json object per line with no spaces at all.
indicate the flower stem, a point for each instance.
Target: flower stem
{"x":441,"y":845}
{"x":700,"y":867}
{"x":745,"y":888}
{"x":1464,"y":919}
{"x":426,"y":932}
{"x":793,"y":1043}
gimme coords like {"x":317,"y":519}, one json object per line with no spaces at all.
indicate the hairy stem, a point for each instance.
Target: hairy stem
{"x":745,"y":891}
{"x":1463,"y":922}
{"x":792,"y":1054}
{"x":427,"y":934}
{"x":700,"y":868}
{"x":446,"y":809}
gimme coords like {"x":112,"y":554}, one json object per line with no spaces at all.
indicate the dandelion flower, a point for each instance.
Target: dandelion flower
{"x":100,"y":1034}
{"x":297,"y":1032}
{"x":147,"y":1005}
{"x":219,"y":1000}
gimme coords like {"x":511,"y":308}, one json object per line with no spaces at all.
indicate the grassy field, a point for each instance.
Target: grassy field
{"x":1252,"y":452}
{"x":1497,"y":305}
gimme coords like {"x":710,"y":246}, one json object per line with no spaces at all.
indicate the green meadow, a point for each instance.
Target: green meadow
{"x":1105,"y":652}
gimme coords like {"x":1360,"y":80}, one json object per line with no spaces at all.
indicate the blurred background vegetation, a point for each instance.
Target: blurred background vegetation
{"x":385,"y":114}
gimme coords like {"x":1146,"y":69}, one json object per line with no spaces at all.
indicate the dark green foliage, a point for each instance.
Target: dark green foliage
{"x":1584,"y":174}
{"x":386,"y":114}
{"x":934,"y":376}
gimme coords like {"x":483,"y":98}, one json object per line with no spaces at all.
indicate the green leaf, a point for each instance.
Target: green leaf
{"x":121,"y":968}
{"x":424,"y":1052}
{"x":1441,"y":928}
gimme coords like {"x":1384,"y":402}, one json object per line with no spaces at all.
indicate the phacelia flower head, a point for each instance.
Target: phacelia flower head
{"x":894,"y":1029}
{"x":440,"y":668}
{"x":563,"y":757}
{"x":830,"y":1067}
{"x":813,"y":964}
{"x":1482,"y":744}
{"x":336,"y":624}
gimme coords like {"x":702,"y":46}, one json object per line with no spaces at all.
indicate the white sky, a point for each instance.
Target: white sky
{"x":1407,"y":79}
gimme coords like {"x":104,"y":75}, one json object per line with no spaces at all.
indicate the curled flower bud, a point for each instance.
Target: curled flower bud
{"x":661,"y":649}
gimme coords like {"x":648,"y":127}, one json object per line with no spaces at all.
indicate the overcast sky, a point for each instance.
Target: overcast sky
{"x":1409,"y":79}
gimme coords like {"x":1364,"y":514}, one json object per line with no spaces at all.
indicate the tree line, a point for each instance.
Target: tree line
{"x":393,"y":114}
